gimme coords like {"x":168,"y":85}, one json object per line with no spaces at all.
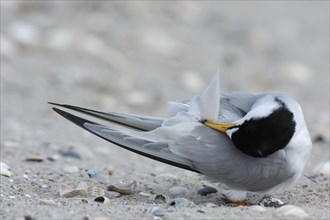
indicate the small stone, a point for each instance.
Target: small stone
{"x":35,"y":158}
{"x":182,"y":202}
{"x":10,"y":144}
{"x":268,"y":201}
{"x":71,"y":169}
{"x":72,"y":154}
{"x":291,"y":211}
{"x":93,"y":174}
{"x":178,"y":191}
{"x":156,"y":211}
{"x":206,"y":190}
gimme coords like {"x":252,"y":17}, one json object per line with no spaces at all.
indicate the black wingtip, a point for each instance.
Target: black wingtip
{"x":75,"y":119}
{"x":56,"y":104}
{"x":81,"y":122}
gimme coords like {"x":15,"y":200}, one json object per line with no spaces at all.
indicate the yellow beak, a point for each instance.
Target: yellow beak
{"x":219,"y":126}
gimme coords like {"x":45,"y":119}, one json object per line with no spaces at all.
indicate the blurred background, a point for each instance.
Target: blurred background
{"x":134,"y":56}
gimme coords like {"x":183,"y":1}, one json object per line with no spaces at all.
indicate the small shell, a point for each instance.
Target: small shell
{"x":35,"y":158}
{"x":64,"y":188}
{"x":4,"y":170}
{"x":126,"y":189}
{"x":96,"y":191}
{"x":67,"y":191}
{"x":102,"y":199}
{"x":82,"y":185}
{"x":71,"y":169}
{"x":48,"y":202}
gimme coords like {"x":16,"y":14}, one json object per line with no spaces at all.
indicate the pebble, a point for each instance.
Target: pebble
{"x":182,"y":202}
{"x":206,"y":190}
{"x":72,"y":154}
{"x":71,"y":169}
{"x":156,"y":211}
{"x":268,"y":201}
{"x":178,"y":191}
{"x":4,"y":170}
{"x":291,"y":211}
{"x":102,"y":199}
{"x":93,"y":174}
{"x":10,"y":144}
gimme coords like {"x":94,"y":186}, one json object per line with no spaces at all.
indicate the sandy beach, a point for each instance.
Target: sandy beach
{"x":134,"y":57}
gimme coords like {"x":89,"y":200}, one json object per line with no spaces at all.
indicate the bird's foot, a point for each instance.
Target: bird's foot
{"x":237,"y":203}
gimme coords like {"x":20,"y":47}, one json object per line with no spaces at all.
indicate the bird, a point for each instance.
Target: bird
{"x":250,"y":143}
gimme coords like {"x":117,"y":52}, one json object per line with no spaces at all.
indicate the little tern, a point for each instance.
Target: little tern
{"x":249,"y":143}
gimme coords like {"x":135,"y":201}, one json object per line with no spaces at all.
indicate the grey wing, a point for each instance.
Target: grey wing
{"x":215,"y":156}
{"x":152,"y":149}
{"x":142,"y":123}
{"x":235,"y":105}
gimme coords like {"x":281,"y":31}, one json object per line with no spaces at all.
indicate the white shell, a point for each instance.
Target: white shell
{"x":67,"y":191}
{"x":48,"y":202}
{"x":4,"y":170}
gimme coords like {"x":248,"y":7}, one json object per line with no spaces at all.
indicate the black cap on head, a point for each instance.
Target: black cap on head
{"x":260,"y":137}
